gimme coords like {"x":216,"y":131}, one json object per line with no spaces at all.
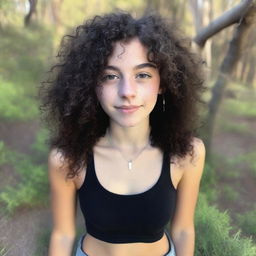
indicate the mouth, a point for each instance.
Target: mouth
{"x":128,"y":109}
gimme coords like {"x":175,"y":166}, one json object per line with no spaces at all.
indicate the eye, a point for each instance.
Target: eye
{"x":109,"y":77}
{"x":143,"y":75}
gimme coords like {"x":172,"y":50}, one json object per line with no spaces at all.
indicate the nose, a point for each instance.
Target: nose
{"x":127,"y":88}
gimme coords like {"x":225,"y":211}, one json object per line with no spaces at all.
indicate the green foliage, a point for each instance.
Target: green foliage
{"x":229,"y":193}
{"x":40,"y":146}
{"x":208,"y":182}
{"x":3,"y":157}
{"x":23,"y":59}
{"x":2,"y":251}
{"x":250,"y":160}
{"x":241,"y":108}
{"x":11,"y":105}
{"x":247,"y":222}
{"x":239,"y":128}
{"x":42,"y":242}
{"x":213,"y":234}
{"x":32,"y":187}
{"x":229,"y":165}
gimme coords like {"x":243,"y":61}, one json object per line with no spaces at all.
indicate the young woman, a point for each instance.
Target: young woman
{"x":123,"y":103}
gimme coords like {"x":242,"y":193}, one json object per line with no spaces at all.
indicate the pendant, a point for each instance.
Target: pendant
{"x":130,"y":165}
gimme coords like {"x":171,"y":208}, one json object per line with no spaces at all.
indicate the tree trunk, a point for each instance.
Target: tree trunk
{"x":228,"y":18}
{"x":251,"y":72}
{"x":229,"y":63}
{"x":244,"y":63}
{"x":32,"y":11}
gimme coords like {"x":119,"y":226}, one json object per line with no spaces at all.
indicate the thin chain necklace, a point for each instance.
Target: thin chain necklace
{"x":130,"y":161}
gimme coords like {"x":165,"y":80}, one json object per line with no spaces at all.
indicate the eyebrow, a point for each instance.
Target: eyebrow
{"x":143,"y":65}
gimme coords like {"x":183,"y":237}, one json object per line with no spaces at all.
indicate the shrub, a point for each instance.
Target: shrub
{"x":3,"y":251}
{"x":213,"y":236}
{"x":208,"y":183}
{"x":32,"y":187}
{"x":40,"y":146}
{"x":30,"y":191}
{"x":3,"y":153}
{"x":11,"y":107}
{"x":247,"y":222}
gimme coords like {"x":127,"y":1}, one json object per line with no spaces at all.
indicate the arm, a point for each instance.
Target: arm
{"x":63,"y":204}
{"x":182,"y":228}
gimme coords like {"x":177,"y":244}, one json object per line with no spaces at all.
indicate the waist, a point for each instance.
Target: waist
{"x":93,"y":246}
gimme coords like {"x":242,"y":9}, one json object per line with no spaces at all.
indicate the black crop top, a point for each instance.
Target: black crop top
{"x":117,"y":218}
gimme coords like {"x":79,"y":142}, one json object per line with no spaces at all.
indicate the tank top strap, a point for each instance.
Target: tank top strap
{"x":90,"y":176}
{"x":167,"y":179}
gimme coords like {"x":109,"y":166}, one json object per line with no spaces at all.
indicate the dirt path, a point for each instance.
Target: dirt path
{"x":20,"y":233}
{"x":240,"y":181}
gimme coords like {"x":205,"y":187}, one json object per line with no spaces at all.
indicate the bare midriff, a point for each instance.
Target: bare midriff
{"x":95,"y":247}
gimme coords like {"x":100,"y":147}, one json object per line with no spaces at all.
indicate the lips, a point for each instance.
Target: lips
{"x":128,"y":109}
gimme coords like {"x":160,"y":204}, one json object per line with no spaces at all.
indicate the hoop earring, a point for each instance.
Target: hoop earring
{"x":163,"y":102}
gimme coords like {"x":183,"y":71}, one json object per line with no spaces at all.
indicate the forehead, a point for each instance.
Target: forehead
{"x":130,"y":51}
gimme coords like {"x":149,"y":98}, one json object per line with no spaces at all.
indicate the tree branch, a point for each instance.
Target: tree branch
{"x":228,"y":18}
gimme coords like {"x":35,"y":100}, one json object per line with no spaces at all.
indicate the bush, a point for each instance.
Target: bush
{"x":2,"y":251}
{"x":213,"y":236}
{"x":40,"y":146}
{"x":31,"y":189}
{"x":3,"y":153}
{"x":11,"y":105}
{"x":32,"y":186}
{"x":247,"y":222}
{"x":208,"y":183}
{"x":21,"y":66}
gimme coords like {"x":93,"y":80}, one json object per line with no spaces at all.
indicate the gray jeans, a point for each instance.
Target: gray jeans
{"x":171,"y":252}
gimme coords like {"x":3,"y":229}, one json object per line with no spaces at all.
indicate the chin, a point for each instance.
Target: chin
{"x":129,"y":123}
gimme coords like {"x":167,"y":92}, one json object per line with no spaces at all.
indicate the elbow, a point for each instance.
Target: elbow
{"x":63,"y":236}
{"x":183,"y":234}
{"x":61,"y":243}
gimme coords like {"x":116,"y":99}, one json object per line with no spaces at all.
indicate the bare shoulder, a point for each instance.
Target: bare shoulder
{"x":59,"y":168}
{"x":198,"y":149}
{"x":57,"y":162}
{"x":193,"y":163}
{"x":190,"y":165}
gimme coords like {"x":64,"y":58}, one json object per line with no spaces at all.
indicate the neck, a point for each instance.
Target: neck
{"x":129,"y":138}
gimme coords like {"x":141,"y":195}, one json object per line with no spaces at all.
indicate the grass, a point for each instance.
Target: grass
{"x":238,"y":128}
{"x":231,"y":165}
{"x":243,"y":104}
{"x":250,"y":159}
{"x":241,"y":108}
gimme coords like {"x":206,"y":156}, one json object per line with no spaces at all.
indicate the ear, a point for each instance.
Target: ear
{"x":160,"y":91}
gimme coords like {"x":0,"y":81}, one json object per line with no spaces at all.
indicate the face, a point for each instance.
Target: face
{"x":129,"y":85}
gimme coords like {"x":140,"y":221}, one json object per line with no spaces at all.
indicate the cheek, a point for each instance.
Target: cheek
{"x":103,"y":95}
{"x":153,"y":91}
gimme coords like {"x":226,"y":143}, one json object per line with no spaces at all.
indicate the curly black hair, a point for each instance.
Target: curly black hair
{"x":69,"y":101}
